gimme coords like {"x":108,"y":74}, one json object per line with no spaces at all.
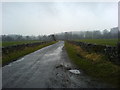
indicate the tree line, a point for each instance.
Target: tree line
{"x":96,"y":34}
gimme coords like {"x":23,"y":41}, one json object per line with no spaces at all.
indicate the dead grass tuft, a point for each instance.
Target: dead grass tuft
{"x":90,"y":56}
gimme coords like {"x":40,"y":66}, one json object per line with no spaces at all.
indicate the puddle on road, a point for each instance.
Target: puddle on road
{"x":19,"y":60}
{"x":56,"y":52}
{"x":67,"y":67}
{"x":55,"y":55}
{"x":14,"y":62}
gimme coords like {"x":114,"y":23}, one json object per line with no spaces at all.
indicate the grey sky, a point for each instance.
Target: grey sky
{"x":34,"y":18}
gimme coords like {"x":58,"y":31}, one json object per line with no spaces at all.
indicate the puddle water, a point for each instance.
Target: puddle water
{"x":19,"y":60}
{"x":55,"y":55}
{"x":56,"y":52}
{"x":14,"y":62}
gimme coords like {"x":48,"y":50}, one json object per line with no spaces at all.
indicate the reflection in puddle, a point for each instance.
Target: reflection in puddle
{"x":14,"y":62}
{"x":56,"y":52}
{"x":53,"y":56}
{"x":19,"y":60}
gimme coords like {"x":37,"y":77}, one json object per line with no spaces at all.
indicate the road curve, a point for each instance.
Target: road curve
{"x":43,"y":69}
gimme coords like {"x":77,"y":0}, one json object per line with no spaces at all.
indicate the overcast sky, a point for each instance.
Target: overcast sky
{"x":38,"y":18}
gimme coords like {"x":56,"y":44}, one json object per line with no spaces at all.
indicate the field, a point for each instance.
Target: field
{"x":10,"y":43}
{"x":94,"y":64}
{"x":111,"y":42}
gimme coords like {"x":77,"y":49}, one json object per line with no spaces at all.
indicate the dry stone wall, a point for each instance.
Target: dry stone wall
{"x":8,"y":49}
{"x":112,"y":52}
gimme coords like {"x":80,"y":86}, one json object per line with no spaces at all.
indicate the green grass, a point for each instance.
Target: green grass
{"x":10,"y":43}
{"x":101,"y":69}
{"x":111,"y":42}
{"x":7,"y":58}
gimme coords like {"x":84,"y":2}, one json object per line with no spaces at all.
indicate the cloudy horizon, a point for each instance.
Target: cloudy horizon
{"x":38,"y":18}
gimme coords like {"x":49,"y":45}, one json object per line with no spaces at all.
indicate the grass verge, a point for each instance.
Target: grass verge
{"x":94,"y":64}
{"x":19,"y":53}
{"x":10,"y":43}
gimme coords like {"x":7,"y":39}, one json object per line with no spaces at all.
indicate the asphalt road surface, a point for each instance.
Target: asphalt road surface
{"x":46,"y":68}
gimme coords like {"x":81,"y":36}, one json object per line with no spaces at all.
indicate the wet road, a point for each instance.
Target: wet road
{"x":46,"y":68}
